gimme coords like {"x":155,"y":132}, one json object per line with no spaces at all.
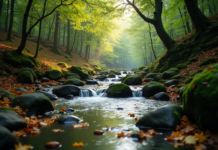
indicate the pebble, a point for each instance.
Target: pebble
{"x":98,"y":132}
{"x":52,"y":144}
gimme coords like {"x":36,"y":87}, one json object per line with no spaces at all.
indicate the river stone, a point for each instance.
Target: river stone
{"x":71,"y":75}
{"x":8,"y":140}
{"x":36,"y":103}
{"x":46,"y":86}
{"x":25,"y":77}
{"x":22,"y":90}
{"x":181,"y":91}
{"x":119,"y":90}
{"x":146,"y":70}
{"x":117,"y":73}
{"x":157,"y":78}
{"x":147,"y":79}
{"x":200,"y":99}
{"x":169,"y":74}
{"x":74,"y":81}
{"x":101,"y":78}
{"x":53,"y":74}
{"x":163,"y":96}
{"x":69,"y":97}
{"x":111,"y":75}
{"x":68,"y":119}
{"x":69,"y":110}
{"x":133,"y":80}
{"x":31,"y":71}
{"x":61,"y":81}
{"x":172,"y":82}
{"x":151,"y":75}
{"x":44,"y":79}
{"x":5,"y":93}
{"x":153,"y":88}
{"x":11,"y":120}
{"x":80,"y":71}
{"x":52,"y":97}
{"x":162,"y":117}
{"x":178,"y":76}
{"x":142,"y":67}
{"x":91,"y":82}
{"x":64,"y":90}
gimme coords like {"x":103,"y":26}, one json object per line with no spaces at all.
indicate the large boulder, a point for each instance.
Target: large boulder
{"x":8,"y":140}
{"x":153,"y":88}
{"x":151,"y":75}
{"x":53,"y":74}
{"x":163,"y":96}
{"x":119,"y":90}
{"x":157,"y":78}
{"x":11,"y":120}
{"x":169,"y":74}
{"x":52,"y":97}
{"x":101,"y":78}
{"x":71,"y":75}
{"x":91,"y":82}
{"x":172,"y":82}
{"x":133,"y":80}
{"x":74,"y":81}
{"x":162,"y":117}
{"x":25,"y":77}
{"x":5,"y":93}
{"x":22,"y":90}
{"x":64,"y":90}
{"x":147,"y":79}
{"x":146,"y":70}
{"x":39,"y":74}
{"x":80,"y":71}
{"x":111,"y":75}
{"x":35,"y":103}
{"x":31,"y":71}
{"x":200,"y":99}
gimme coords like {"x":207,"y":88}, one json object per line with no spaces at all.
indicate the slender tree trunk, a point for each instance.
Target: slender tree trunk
{"x":202,"y":3}
{"x":73,"y":41}
{"x":200,"y":20}
{"x":182,"y":21}
{"x":39,"y":35}
{"x":1,"y":6}
{"x":50,"y":27}
{"x":210,"y":10}
{"x":59,"y":32}
{"x":214,"y":6}
{"x":151,"y":41}
{"x":82,"y":39}
{"x":64,"y":35}
{"x":68,"y":37}
{"x":144,"y":57}
{"x":6,"y":19}
{"x":187,"y":22}
{"x":55,"y":44}
{"x":11,"y":21}
{"x":90,"y":39}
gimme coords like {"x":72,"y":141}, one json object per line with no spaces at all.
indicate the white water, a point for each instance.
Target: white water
{"x":137,"y":93}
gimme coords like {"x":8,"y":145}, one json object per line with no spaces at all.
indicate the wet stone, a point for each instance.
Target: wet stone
{"x":46,"y":86}
{"x":52,"y":84}
{"x":69,"y":110}
{"x":69,"y":97}
{"x":68,"y":119}
{"x":52,"y":144}
{"x":37,"y":82}
{"x":119,"y":108}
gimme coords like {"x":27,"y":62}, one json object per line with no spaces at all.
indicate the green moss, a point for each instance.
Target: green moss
{"x":207,"y":62}
{"x":189,"y":80}
{"x":28,"y":50}
{"x":142,"y":67}
{"x":39,"y":74}
{"x":54,"y":68}
{"x":196,"y":72}
{"x":133,"y":80}
{"x":86,"y":65}
{"x":174,"y":69}
{"x":118,"y":88}
{"x":80,"y":71}
{"x":62,"y":64}
{"x":25,"y":77}
{"x":181,"y":66}
{"x":74,"y":82}
{"x":6,"y":108}
{"x":53,"y":74}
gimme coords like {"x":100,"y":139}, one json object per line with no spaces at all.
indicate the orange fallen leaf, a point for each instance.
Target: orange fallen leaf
{"x":22,"y":147}
{"x":78,"y":144}
{"x":136,"y":118}
{"x":200,"y":137}
{"x":170,"y":138}
{"x":190,"y":139}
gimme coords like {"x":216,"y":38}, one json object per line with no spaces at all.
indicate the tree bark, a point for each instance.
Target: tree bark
{"x":6,"y":19}
{"x":199,"y":19}
{"x":11,"y":21}
{"x":68,"y":37}
{"x":182,"y":21}
{"x":214,"y":6}
{"x":210,"y":10}
{"x":64,"y":35}
{"x":89,"y":48}
{"x":157,"y":22}
{"x":187,"y":22}
{"x":55,"y":44}
{"x":82,"y":39}
{"x":1,"y":6}
{"x":39,"y":35}
{"x":151,"y":41}
{"x":50,"y":27}
{"x":202,"y":2}
{"x":73,"y":41}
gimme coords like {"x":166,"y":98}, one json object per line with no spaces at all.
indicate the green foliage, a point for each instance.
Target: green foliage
{"x":62,"y":64}
{"x":28,"y":50}
{"x":177,"y":114}
{"x":207,"y":62}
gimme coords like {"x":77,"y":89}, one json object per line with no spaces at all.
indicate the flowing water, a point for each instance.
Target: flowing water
{"x":99,"y":111}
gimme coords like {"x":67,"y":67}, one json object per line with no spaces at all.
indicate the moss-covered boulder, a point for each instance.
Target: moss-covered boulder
{"x":168,"y":74}
{"x":91,"y":82}
{"x":178,"y":76}
{"x":74,"y":82}
{"x":157,"y":78}
{"x":39,"y":74}
{"x":65,"y":90}
{"x":142,"y":67}
{"x":103,"y":72}
{"x":5,"y":93}
{"x":117,"y":73}
{"x":147,"y":79}
{"x":98,"y":69}
{"x":172,"y":82}
{"x":53,"y":74}
{"x":111,"y":75}
{"x":44,"y":79}
{"x":72,"y":75}
{"x":174,"y":69}
{"x":80,"y":71}
{"x":151,"y":75}
{"x":21,"y":89}
{"x":207,"y":62}
{"x":31,"y":71}
{"x":119,"y":90}
{"x":51,"y":96}
{"x":200,"y":99}
{"x":25,"y":77}
{"x":153,"y":88}
{"x":8,"y":140}
{"x":181,"y":66}
{"x":133,"y":80}
{"x":11,"y":120}
{"x":101,"y":78}
{"x":35,"y":103}
{"x":181,"y":91}
{"x":62,"y":64}
{"x":162,"y":117}
{"x":162,"y":96}
{"x":189,"y":80}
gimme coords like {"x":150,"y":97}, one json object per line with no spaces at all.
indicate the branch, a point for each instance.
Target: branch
{"x":36,"y":11}
{"x":152,"y":3}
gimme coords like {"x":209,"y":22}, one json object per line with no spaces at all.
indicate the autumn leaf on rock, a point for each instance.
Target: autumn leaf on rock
{"x":190,"y":140}
{"x":22,"y":147}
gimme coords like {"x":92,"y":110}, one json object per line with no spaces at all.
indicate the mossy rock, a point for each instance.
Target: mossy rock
{"x":200,"y":101}
{"x":169,"y":74}
{"x":207,"y":62}
{"x":44,"y":79}
{"x":74,"y":82}
{"x":162,"y":96}
{"x":27,"y":63}
{"x":142,"y":67}
{"x":134,"y":69}
{"x":53,"y":74}
{"x":62,"y":64}
{"x":151,"y":75}
{"x":72,"y":75}
{"x":64,"y":71}
{"x":62,"y":91}
{"x":5,"y":93}
{"x":111,"y":75}
{"x":39,"y":74}
{"x":119,"y":90}
{"x":147,"y":79}
{"x":196,"y":72}
{"x":97,"y":69}
{"x":174,"y":69}
{"x":189,"y":80}
{"x":31,"y":71}
{"x":124,"y":78}
{"x":181,"y":66}
{"x":178,"y":76}
{"x":103,"y":72}
{"x":101,"y":78}
{"x":86,"y":65}
{"x":25,"y":77}
{"x":153,"y":88}
{"x":133,"y":80}
{"x":80,"y":71}
{"x":172,"y":82}
{"x":157,"y":78}
{"x":117,"y":73}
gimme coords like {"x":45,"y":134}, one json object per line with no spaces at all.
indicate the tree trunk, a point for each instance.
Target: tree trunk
{"x":39,"y":35}
{"x":55,"y":44}
{"x":89,"y":47}
{"x":50,"y":27}
{"x":64,"y":35}
{"x":82,"y":39}
{"x":199,"y":19}
{"x":11,"y":21}
{"x":182,"y":21}
{"x":214,"y":6}
{"x":202,"y":2}
{"x":151,"y":41}
{"x":210,"y":10}
{"x":68,"y":37}
{"x":6,"y":19}
{"x":59,"y":32}
{"x":1,"y":6}
{"x":73,"y":41}
{"x":187,"y":22}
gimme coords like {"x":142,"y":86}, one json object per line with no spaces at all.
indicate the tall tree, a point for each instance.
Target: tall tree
{"x":11,"y":21}
{"x":50,"y":27}
{"x":68,"y":37}
{"x":55,"y":44}
{"x":6,"y":19}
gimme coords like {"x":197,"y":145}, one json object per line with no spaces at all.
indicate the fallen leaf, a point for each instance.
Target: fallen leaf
{"x":78,"y":144}
{"x":190,"y":139}
{"x":22,"y":147}
{"x":200,"y":137}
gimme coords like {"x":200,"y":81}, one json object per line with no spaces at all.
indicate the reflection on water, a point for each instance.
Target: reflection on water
{"x":104,"y":111}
